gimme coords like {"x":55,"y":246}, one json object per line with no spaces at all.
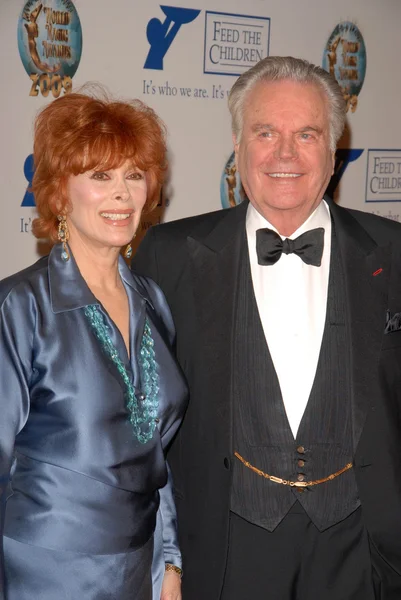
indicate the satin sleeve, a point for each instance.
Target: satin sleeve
{"x":166,"y":549}
{"x":168,"y":515}
{"x":167,"y":512}
{"x":15,"y":371}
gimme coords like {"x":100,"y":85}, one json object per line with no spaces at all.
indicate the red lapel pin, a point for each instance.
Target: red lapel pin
{"x":377,"y":272}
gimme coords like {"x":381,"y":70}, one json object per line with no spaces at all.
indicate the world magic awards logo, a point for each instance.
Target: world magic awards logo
{"x":344,"y":57}
{"x":50,"y":45}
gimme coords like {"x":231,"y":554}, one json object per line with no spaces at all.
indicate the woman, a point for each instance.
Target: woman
{"x":90,"y":393}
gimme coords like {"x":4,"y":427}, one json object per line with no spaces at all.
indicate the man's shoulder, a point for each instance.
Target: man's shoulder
{"x":165,"y":251}
{"x":386,"y":230}
{"x":199,"y":224}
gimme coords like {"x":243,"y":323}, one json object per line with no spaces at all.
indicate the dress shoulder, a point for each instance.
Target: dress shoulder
{"x":23,"y":280}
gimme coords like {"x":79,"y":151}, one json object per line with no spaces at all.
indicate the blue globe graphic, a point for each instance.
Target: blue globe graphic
{"x":37,"y":33}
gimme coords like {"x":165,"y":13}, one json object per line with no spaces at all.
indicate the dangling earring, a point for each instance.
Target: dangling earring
{"x":128,"y":249}
{"x":63,"y":237}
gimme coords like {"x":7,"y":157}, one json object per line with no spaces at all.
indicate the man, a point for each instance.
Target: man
{"x":288,"y":465}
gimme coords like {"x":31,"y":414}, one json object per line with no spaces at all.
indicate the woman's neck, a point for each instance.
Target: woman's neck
{"x":97,"y":265}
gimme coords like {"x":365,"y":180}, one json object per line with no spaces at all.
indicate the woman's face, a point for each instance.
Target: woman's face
{"x":105,"y":206}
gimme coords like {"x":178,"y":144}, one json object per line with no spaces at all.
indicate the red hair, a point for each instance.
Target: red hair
{"x":78,"y":133}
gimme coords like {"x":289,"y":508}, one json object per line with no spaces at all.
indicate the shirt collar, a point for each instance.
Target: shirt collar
{"x":69,"y":290}
{"x":319,"y":218}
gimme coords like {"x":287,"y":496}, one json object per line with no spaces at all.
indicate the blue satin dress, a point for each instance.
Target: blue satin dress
{"x":79,"y":510}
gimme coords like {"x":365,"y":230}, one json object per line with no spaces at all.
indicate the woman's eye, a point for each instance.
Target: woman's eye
{"x":136,"y":175}
{"x":99,"y":176}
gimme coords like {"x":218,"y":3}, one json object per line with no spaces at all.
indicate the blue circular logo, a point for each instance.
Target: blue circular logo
{"x":50,"y":44}
{"x":344,"y":58}
{"x":231,"y":190}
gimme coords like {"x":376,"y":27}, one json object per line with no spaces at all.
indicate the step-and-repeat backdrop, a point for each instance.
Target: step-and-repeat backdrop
{"x":182,"y":60}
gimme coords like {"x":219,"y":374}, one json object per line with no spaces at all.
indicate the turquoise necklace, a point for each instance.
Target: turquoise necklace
{"x":142,"y":406}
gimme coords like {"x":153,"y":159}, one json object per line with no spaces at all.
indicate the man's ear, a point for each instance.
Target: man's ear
{"x":235,"y":143}
{"x":333,"y":161}
{"x":236,"y":149}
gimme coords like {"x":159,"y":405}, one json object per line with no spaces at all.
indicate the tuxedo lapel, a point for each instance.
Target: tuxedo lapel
{"x":215,"y":263}
{"x":214,"y":272}
{"x":367,"y":273}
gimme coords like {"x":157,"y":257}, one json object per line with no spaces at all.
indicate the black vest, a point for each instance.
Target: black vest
{"x":262,"y":433}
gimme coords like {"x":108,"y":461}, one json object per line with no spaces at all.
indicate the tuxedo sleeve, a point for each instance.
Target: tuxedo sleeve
{"x":145,"y":259}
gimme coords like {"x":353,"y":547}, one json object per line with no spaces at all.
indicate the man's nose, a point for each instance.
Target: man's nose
{"x":286,"y":148}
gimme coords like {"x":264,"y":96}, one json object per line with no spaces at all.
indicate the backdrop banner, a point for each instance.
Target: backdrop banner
{"x":182,"y":60}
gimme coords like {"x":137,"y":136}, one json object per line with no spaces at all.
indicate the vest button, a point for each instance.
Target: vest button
{"x":227,"y":462}
{"x":301,"y":450}
{"x":301,"y":477}
{"x":301,"y":463}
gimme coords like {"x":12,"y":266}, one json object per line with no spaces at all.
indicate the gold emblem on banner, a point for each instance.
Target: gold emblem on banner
{"x":344,"y":58}
{"x":50,"y":45}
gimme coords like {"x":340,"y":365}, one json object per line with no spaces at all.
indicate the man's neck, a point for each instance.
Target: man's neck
{"x":286,"y":222}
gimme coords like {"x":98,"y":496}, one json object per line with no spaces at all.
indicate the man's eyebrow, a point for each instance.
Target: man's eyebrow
{"x":256,"y":127}
{"x":310,"y":128}
{"x":262,"y":127}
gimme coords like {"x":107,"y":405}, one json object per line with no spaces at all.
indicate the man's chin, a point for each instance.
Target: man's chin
{"x":286,"y":203}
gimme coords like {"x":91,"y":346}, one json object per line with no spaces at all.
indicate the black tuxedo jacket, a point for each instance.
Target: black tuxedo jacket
{"x":195,"y":262}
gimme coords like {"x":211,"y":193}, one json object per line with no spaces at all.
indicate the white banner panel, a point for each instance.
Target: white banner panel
{"x":182,"y":60}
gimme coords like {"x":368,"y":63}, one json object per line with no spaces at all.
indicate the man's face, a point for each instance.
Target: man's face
{"x":284,"y":157}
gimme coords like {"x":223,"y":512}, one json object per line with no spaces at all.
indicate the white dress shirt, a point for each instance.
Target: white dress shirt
{"x":292,"y":297}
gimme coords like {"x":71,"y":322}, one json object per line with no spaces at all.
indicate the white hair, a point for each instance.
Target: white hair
{"x":279,"y":68}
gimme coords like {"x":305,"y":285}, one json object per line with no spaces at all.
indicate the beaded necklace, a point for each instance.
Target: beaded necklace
{"x":142,"y":405}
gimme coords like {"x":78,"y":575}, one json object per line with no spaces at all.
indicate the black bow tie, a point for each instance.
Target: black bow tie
{"x":308,"y":246}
